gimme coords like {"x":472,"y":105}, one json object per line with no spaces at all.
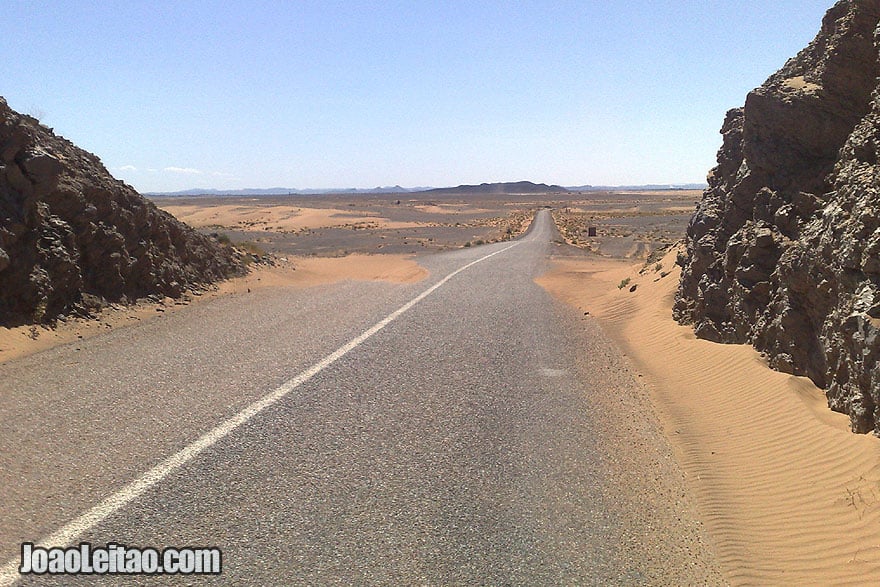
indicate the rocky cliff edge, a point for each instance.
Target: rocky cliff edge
{"x":73,"y":238}
{"x":783,"y":251}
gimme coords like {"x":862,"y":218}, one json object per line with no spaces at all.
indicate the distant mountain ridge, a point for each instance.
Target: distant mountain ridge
{"x":519,"y":187}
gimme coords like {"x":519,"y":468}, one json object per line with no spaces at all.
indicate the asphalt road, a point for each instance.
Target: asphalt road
{"x":486,"y":435}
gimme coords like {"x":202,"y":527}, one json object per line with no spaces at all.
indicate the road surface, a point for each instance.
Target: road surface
{"x":452,"y":431}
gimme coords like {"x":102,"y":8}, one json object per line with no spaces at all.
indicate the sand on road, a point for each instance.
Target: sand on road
{"x":789,"y":495}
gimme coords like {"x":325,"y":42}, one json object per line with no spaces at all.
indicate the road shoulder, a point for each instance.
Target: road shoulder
{"x":293,"y":272}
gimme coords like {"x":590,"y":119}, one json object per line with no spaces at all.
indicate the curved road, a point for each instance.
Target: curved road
{"x":444,"y":432}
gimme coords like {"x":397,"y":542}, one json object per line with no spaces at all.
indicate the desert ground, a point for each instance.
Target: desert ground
{"x":787,"y":493}
{"x":629,"y":224}
{"x":301,"y":241}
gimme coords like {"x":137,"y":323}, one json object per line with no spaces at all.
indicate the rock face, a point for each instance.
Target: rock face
{"x":72,"y":236}
{"x":783,"y":252}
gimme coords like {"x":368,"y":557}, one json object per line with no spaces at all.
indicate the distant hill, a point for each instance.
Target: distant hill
{"x":519,"y":187}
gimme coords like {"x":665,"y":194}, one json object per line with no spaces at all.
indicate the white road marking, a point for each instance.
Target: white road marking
{"x":70,"y":532}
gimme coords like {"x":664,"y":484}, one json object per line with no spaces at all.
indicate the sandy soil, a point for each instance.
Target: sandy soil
{"x":315,"y":240}
{"x":294,"y":272}
{"x":336,"y":227}
{"x":629,"y":224}
{"x":279,"y":218}
{"x":309,"y":271}
{"x":788,"y":494}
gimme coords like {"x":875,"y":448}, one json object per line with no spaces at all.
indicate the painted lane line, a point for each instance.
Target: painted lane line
{"x":70,"y":532}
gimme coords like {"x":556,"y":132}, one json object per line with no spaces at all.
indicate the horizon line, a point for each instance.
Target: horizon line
{"x":397,"y":188}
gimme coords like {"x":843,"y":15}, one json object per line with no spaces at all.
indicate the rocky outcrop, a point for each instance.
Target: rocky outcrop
{"x":783,"y":251}
{"x":73,"y":237}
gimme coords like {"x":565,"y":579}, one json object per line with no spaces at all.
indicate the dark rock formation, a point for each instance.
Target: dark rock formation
{"x":519,"y":187}
{"x":73,"y":237}
{"x":784,"y":249}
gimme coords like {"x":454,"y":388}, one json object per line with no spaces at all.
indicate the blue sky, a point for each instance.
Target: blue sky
{"x":183,"y":94}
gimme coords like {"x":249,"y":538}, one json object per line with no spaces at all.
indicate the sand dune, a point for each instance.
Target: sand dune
{"x":310,"y":271}
{"x":788,"y":494}
{"x":280,"y":217}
